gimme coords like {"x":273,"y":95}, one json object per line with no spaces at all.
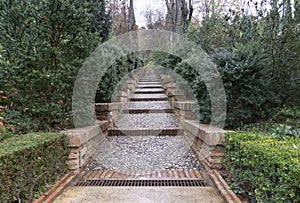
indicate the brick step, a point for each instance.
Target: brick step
{"x":149,"y":90}
{"x":149,"y":86}
{"x":150,"y":78}
{"x":179,"y":174}
{"x":150,"y":81}
{"x":144,"y":132}
{"x":148,"y":99}
{"x":135,"y":111}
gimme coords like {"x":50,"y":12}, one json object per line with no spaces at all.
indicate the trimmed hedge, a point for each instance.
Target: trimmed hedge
{"x":263,"y":166}
{"x":31,"y":163}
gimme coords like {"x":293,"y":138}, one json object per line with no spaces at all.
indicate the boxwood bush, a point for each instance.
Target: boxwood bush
{"x":263,"y":166}
{"x":29,"y":164}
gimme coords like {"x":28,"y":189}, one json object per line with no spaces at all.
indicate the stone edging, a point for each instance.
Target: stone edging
{"x":222,"y":186}
{"x":202,"y":135}
{"x":56,"y":190}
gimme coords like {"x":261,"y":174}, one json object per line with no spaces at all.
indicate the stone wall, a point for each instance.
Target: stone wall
{"x":171,"y":89}
{"x":206,"y":141}
{"x":184,"y":110}
{"x":83,"y":143}
{"x":108,"y":111}
{"x":201,"y":137}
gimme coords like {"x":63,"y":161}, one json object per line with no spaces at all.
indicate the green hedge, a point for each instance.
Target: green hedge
{"x":31,"y":163}
{"x":264,"y":167}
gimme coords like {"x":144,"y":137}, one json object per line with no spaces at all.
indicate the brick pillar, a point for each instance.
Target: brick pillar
{"x":136,"y":78}
{"x":122,"y":96}
{"x":83,"y":143}
{"x":185,"y":110}
{"x":203,"y":136}
{"x":107,"y":111}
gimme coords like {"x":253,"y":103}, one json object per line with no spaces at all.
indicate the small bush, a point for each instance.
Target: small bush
{"x":289,"y":116}
{"x":264,"y":167}
{"x":4,"y":134}
{"x":285,"y":124}
{"x":30,"y":163}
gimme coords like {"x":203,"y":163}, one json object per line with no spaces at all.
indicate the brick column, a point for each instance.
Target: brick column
{"x":184,"y":110}
{"x":122,"y":96}
{"x":203,"y":137}
{"x":130,"y":87}
{"x":107,"y":111}
{"x":83,"y":144}
{"x":176,"y":95}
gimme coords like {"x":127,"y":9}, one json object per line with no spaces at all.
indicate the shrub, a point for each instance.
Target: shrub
{"x":4,"y":134}
{"x":114,"y":74}
{"x":285,"y":123}
{"x":288,"y":116}
{"x":30,"y":163}
{"x":43,"y":44}
{"x":264,"y":166}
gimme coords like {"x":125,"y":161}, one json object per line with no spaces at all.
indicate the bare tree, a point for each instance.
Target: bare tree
{"x":131,"y":17}
{"x":118,"y":11}
{"x":154,"y":18}
{"x":297,"y":10}
{"x":179,"y":15}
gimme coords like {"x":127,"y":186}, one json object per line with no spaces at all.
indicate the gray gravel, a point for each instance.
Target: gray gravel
{"x":149,"y":90}
{"x":151,"y":121}
{"x":145,"y":153}
{"x":142,"y":96}
{"x":149,"y":83}
{"x":149,"y":105}
{"x":147,"y":86}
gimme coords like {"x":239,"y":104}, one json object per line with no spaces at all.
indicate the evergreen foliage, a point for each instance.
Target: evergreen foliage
{"x":43,"y":46}
{"x":257,"y":59}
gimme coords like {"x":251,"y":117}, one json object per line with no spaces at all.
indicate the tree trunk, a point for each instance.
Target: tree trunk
{"x":297,"y":11}
{"x":131,"y":18}
{"x":187,"y":13}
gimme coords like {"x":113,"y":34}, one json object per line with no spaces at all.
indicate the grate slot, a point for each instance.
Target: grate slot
{"x":142,"y":183}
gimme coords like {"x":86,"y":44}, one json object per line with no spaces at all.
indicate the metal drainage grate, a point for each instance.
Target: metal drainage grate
{"x":142,"y":183}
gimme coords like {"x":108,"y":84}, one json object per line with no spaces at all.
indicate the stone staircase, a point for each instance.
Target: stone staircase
{"x":148,"y":111}
{"x":146,"y":156}
{"x":146,"y":140}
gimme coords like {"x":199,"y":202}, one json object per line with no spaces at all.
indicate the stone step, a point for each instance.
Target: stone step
{"x":149,"y":86}
{"x":148,"y":107}
{"x":149,"y":83}
{"x":148,"y":121}
{"x":149,"y":97}
{"x":149,"y":91}
{"x":139,"y":111}
{"x":144,"y":132}
{"x":178,"y":174}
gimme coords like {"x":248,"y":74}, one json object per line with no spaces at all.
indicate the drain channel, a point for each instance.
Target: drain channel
{"x":142,"y":183}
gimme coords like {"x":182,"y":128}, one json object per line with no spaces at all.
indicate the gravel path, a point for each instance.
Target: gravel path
{"x":149,"y":105}
{"x":145,"y":153}
{"x":153,"y":120}
{"x":147,"y":96}
{"x":149,"y":83}
{"x":147,"y":86}
{"x":149,"y":90}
